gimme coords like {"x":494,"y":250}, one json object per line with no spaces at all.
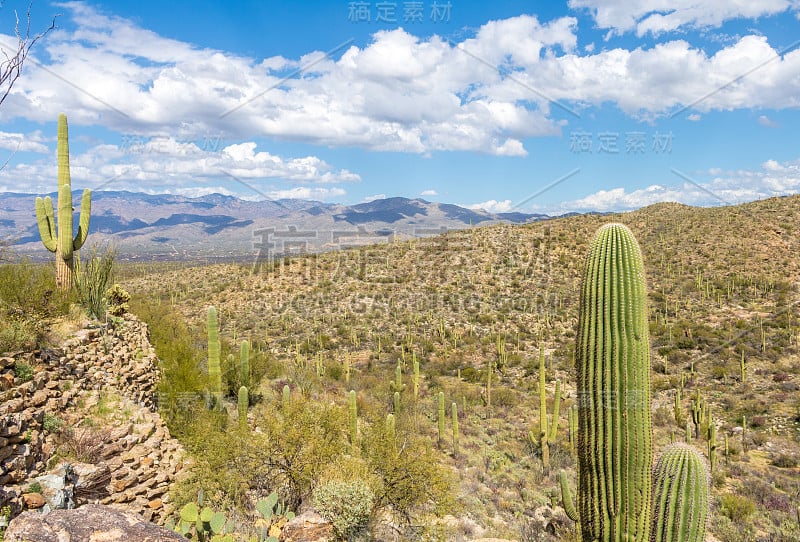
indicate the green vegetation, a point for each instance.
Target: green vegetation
{"x":472,"y":321}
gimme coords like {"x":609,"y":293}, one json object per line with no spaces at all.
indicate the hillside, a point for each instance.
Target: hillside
{"x":723,"y":283}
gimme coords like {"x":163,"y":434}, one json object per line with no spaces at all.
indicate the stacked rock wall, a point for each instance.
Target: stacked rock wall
{"x":129,"y":464}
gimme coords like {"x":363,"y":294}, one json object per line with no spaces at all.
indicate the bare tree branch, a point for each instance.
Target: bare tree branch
{"x":11,"y":65}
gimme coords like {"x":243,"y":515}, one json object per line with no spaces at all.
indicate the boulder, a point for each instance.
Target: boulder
{"x":90,"y":523}
{"x":307,"y":527}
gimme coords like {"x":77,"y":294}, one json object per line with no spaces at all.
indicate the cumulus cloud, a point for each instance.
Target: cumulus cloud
{"x":168,"y":165}
{"x":374,"y":197}
{"x":655,"y":16}
{"x":400,"y":92}
{"x":722,"y":188}
{"x":492,"y":206}
{"x":694,"y":117}
{"x":430,"y":192}
{"x":22,"y":143}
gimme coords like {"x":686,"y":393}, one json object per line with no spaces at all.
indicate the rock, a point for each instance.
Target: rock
{"x":33,"y":501}
{"x":307,"y":527}
{"x":92,"y":480}
{"x":6,"y":381}
{"x":90,"y":523}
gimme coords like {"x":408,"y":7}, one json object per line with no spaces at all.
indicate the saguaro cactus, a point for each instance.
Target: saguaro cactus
{"x":353,"y":418}
{"x":680,"y":495}
{"x":243,"y":403}
{"x":244,"y":364}
{"x":440,"y":419}
{"x":613,"y":369}
{"x":214,"y":371}
{"x":454,"y":410}
{"x":61,"y":241}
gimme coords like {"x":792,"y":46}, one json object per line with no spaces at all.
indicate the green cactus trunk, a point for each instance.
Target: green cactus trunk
{"x":286,"y":397}
{"x":244,"y":402}
{"x":613,"y":368}
{"x":244,"y":364}
{"x":454,"y":408}
{"x":543,"y":442}
{"x":680,"y":495}
{"x":353,"y":409}
{"x":61,"y":241}
{"x":214,"y":371}
{"x":440,"y":419}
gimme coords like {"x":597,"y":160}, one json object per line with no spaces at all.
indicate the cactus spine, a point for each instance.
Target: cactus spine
{"x":613,"y":367}
{"x":244,"y":364}
{"x":244,"y":401}
{"x":214,"y":371}
{"x":61,"y":241}
{"x":680,"y":495}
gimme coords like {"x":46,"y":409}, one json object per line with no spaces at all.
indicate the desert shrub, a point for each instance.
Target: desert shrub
{"x":183,"y":373}
{"x":737,"y":508}
{"x":23,"y":372}
{"x":785,"y":461}
{"x":408,"y":471}
{"x":346,"y":504}
{"x":92,"y":278}
{"x":505,"y":397}
{"x":28,"y":297}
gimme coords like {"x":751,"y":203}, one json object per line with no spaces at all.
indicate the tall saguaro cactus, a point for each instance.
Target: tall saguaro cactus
{"x":613,"y":369}
{"x":61,"y":241}
{"x":214,"y":371}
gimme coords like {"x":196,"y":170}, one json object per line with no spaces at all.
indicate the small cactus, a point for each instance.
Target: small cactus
{"x":680,"y":495}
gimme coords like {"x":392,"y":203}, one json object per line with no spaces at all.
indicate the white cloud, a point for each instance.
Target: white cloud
{"x":430,"y":192}
{"x":724,"y":188}
{"x":657,"y":16}
{"x":694,"y":117}
{"x":16,"y":142}
{"x":374,"y":197}
{"x":165,"y":165}
{"x":400,"y":92}
{"x":767,"y":122}
{"x":492,"y":206}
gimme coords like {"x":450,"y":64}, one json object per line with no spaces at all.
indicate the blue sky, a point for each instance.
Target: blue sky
{"x":529,"y":106}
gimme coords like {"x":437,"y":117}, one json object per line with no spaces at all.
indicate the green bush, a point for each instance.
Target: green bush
{"x":737,"y":508}
{"x":23,"y":371}
{"x":346,"y":504}
{"x":28,"y":297}
{"x":92,"y":278}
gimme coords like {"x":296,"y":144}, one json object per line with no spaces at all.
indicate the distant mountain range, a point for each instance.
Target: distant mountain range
{"x":164,"y":226}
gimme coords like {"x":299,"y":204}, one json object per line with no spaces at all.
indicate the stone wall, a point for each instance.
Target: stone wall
{"x":128,"y":461}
